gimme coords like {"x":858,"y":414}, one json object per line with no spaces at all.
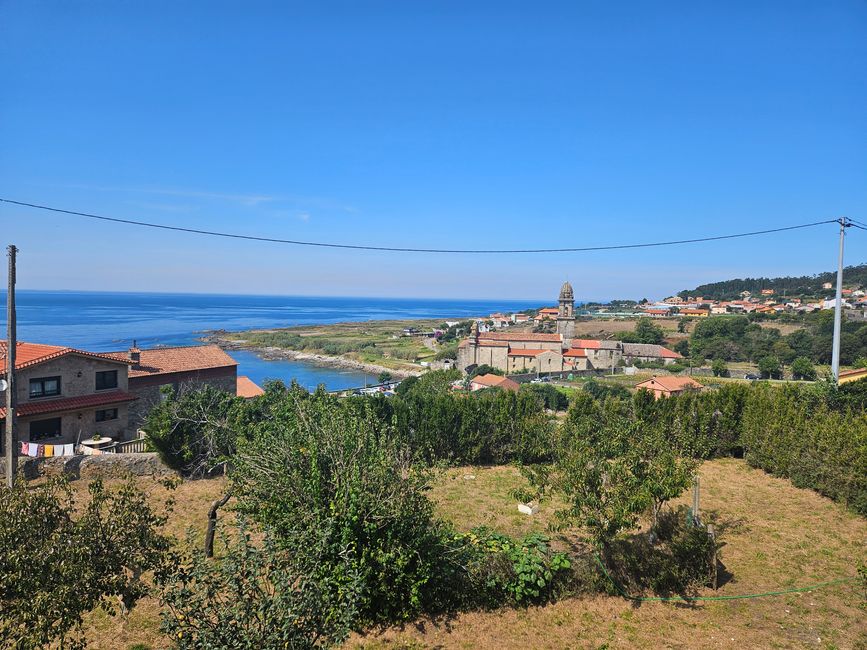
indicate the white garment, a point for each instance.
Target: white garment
{"x":32,"y":449}
{"x":68,"y":450}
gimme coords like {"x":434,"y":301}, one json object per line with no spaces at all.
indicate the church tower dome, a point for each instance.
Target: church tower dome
{"x":566,"y":292}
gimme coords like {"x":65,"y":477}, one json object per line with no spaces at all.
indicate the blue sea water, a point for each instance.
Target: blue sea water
{"x":103,"y":321}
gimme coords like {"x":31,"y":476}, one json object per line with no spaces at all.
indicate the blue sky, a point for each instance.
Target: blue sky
{"x":440,"y":124}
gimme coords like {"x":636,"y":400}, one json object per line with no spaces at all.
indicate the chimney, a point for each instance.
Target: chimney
{"x":134,"y":354}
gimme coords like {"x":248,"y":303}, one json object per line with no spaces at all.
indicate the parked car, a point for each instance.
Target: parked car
{"x":751,"y":377}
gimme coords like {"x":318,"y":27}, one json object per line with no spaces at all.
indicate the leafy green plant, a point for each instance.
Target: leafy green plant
{"x":255,"y":596}
{"x":57,"y":566}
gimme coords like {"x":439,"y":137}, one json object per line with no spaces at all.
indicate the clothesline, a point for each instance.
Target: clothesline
{"x":36,"y":450}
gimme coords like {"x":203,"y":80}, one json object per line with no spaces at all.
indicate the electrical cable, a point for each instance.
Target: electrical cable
{"x":215,"y":233}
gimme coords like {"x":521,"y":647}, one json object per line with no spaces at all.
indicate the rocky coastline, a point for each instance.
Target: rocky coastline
{"x":270,"y":353}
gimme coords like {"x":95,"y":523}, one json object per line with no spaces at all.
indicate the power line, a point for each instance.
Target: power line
{"x":391,"y":249}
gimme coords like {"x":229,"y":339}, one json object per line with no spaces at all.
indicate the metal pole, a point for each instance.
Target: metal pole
{"x":11,"y":344}
{"x":838,"y":307}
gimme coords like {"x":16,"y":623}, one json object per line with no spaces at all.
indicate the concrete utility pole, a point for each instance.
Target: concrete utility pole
{"x":838,"y":307}
{"x":11,"y":344}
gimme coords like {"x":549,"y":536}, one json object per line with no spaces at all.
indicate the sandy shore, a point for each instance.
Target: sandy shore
{"x":274,"y":354}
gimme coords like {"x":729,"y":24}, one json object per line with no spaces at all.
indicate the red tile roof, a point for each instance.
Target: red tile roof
{"x":495,"y":381}
{"x":575,"y":352}
{"x":161,"y":361}
{"x":670,"y":383}
{"x":248,"y":388}
{"x":30,"y":354}
{"x":526,"y":353}
{"x":519,"y":336}
{"x":92,"y":400}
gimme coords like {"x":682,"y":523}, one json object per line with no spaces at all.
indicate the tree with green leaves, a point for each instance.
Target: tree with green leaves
{"x":58,"y":563}
{"x":384,"y":377}
{"x":256,"y":595}
{"x":770,"y":367}
{"x":611,"y":467}
{"x":802,"y":368}
{"x":719,"y":368}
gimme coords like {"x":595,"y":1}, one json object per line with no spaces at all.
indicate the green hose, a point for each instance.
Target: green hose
{"x":684,"y":599}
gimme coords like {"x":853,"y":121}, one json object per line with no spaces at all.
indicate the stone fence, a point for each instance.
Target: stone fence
{"x":89,"y":467}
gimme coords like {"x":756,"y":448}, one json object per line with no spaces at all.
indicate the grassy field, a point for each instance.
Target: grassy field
{"x":376,"y":342}
{"x":776,"y":537}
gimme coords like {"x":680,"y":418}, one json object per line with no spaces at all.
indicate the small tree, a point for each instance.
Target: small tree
{"x":647,"y":331}
{"x":770,"y":368}
{"x":485,"y":369}
{"x":384,"y":377}
{"x":802,"y":368}
{"x":682,"y":347}
{"x":719,"y":368}
{"x":255,"y":596}
{"x":56,"y":567}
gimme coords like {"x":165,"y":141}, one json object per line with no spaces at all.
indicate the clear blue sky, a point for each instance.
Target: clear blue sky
{"x":441,"y":124}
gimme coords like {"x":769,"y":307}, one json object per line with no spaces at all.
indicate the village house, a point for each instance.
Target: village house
{"x":666,"y":386}
{"x":66,"y":395}
{"x":480,"y":382}
{"x":178,"y":368}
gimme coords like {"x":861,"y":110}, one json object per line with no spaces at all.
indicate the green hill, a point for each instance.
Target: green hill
{"x":803,"y":286}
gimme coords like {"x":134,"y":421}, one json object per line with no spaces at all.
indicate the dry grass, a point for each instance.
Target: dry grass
{"x":776,"y":537}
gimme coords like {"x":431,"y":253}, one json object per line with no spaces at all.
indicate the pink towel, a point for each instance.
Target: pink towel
{"x":24,"y":448}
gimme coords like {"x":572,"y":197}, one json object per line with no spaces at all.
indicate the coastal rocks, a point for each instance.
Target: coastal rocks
{"x":270,"y":353}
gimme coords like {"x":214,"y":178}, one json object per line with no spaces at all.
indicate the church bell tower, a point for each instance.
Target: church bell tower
{"x":566,"y":314}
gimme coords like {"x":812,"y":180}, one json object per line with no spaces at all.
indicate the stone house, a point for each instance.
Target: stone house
{"x":65,"y":395}
{"x":180,"y":369}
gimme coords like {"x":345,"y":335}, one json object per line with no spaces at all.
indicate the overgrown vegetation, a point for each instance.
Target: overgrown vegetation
{"x":55,"y":567}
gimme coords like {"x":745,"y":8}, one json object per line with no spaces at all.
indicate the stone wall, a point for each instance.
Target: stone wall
{"x":90,"y":467}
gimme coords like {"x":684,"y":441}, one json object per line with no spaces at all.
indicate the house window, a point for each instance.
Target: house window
{"x":45,"y":387}
{"x":106,"y":379}
{"x":42,"y":429}
{"x":106,"y":414}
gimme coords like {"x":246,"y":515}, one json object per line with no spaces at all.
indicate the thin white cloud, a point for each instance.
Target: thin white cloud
{"x":249,"y":200}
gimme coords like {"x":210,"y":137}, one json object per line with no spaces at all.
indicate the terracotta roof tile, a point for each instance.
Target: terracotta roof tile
{"x":30,"y":354}
{"x":248,"y":388}
{"x":495,"y":381}
{"x":526,"y":353}
{"x":71,"y":403}
{"x":671,"y":383}
{"x":161,"y":361}
{"x":575,"y":352}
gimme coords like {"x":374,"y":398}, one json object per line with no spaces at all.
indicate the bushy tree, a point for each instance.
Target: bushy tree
{"x":195,"y":431}
{"x":802,"y":368}
{"x":58,"y":564}
{"x":255,"y":596}
{"x":682,"y":347}
{"x":770,"y":368}
{"x":342,"y":494}
{"x":485,"y":369}
{"x":551,"y":397}
{"x":719,"y":368}
{"x":611,"y":467}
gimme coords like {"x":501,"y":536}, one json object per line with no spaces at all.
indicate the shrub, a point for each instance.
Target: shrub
{"x":719,"y":368}
{"x":254,"y":596}
{"x":54,"y":568}
{"x":194,"y":431}
{"x":343,"y":495}
{"x":520,"y":571}
{"x":552,"y":398}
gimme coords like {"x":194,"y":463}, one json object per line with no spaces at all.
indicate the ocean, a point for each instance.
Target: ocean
{"x":106,"y":321}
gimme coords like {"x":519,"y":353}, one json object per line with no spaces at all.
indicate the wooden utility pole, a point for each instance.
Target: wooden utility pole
{"x":11,"y":345}
{"x":838,"y":307}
